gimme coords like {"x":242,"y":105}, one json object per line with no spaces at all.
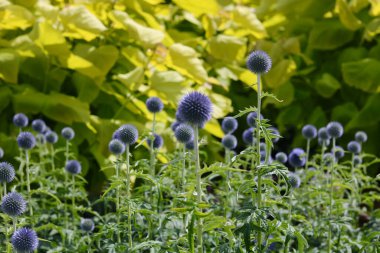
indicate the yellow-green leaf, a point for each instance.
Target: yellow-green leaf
{"x":132,"y":79}
{"x":214,"y":128}
{"x":9,"y":65}
{"x":280,"y":73}
{"x":327,"y":85}
{"x":167,"y":84}
{"x":347,"y":18}
{"x":14,"y":17}
{"x":246,"y":18}
{"x":228,"y":48}
{"x":210,"y":6}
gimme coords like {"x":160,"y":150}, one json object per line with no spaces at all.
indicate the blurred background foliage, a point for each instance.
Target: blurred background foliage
{"x":91,"y":64}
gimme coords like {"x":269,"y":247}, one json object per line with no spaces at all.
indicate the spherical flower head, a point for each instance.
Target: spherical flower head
{"x":51,"y":137}
{"x":7,"y":172}
{"x":248,"y":136}
{"x":309,"y":132}
{"x":190,"y":145}
{"x":294,"y":180}
{"x":339,"y":152}
{"x":354,"y":147}
{"x":68,"y":133}
{"x":26,"y":140}
{"x":20,"y":120}
{"x":229,"y":125}
{"x":24,"y":240}
{"x":184,"y":133}
{"x":73,"y":167}
{"x":178,"y":117}
{"x":13,"y":204}
{"x":116,"y":147}
{"x":195,"y":109}
{"x":128,"y":134}
{"x":229,"y":141}
{"x":251,"y":119}
{"x":297,"y":158}
{"x":87,"y":225}
{"x":174,"y":125}
{"x":323,"y":134}
{"x":357,"y":160}
{"x":259,"y":62}
{"x":157,"y":142}
{"x":335,"y":129}
{"x":1,"y":153}
{"x":154,"y":104}
{"x":281,"y":157}
{"x":38,"y":125}
{"x":274,"y":131}
{"x":323,"y":142}
{"x":361,"y":136}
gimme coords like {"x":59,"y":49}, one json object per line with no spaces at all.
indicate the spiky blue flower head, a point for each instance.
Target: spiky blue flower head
{"x":184,"y":133}
{"x":297,"y":157}
{"x":157,"y":142}
{"x":174,"y":125}
{"x":323,"y":134}
{"x":309,"y":132}
{"x":189,"y":145}
{"x":281,"y":157}
{"x":259,"y":62}
{"x":154,"y":104}
{"x":26,"y":140}
{"x":195,"y":108}
{"x":357,"y":160}
{"x":229,"y":141}
{"x":335,"y":129}
{"x":248,"y":136}
{"x":361,"y":136}
{"x":24,"y":240}
{"x":73,"y":167}
{"x":20,"y":120}
{"x":7,"y":172}
{"x":323,"y":142}
{"x":51,"y":137}
{"x":1,"y":153}
{"x":274,"y":131}
{"x":116,"y":147}
{"x":229,"y":125}
{"x":13,"y":204}
{"x":251,"y":119}
{"x":87,"y":225}
{"x":128,"y":134}
{"x":339,"y":152}
{"x":68,"y":133}
{"x":354,"y":147}
{"x":178,"y":117}
{"x":38,"y":125}
{"x":294,"y":180}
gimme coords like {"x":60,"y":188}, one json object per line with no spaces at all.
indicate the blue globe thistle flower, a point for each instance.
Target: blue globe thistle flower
{"x":248,"y":136}
{"x":354,"y":147}
{"x":13,"y":204}
{"x":128,"y":134}
{"x":274,"y":131}
{"x":73,"y":167}
{"x":178,"y":117}
{"x":7,"y":172}
{"x":195,"y":108}
{"x":259,"y":62}
{"x":297,"y":157}
{"x":157,"y":142}
{"x":189,"y":145}
{"x":1,"y":153}
{"x":335,"y":129}
{"x":174,"y":125}
{"x":309,"y":132}
{"x":323,"y":134}
{"x":184,"y":133}
{"x":323,"y":142}
{"x":26,"y":140}
{"x":115,"y":134}
{"x":229,"y":141}
{"x":38,"y":125}
{"x":24,"y":240}
{"x":281,"y":157}
{"x":361,"y":136}
{"x":20,"y":120}
{"x":68,"y":133}
{"x":251,"y":119}
{"x":357,"y":160}
{"x":294,"y":180}
{"x":116,"y":147}
{"x":229,"y":125}
{"x":154,"y":104}
{"x":339,"y":152}
{"x":51,"y":137}
{"x":87,"y":225}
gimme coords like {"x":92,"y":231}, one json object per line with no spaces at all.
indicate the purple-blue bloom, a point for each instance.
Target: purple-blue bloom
{"x":195,"y":108}
{"x":259,"y":62}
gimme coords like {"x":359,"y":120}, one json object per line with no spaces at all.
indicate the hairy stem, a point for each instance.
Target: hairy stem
{"x":117,"y":167}
{"x":307,"y":153}
{"x":258,"y":125}
{"x":199,"y":190}
{"x":28,"y":183}
{"x":329,"y":246}
{"x":129,"y":199}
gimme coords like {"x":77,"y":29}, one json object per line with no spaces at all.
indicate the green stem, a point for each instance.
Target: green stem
{"x":329,"y":246}
{"x":183,"y":181}
{"x":66,"y":190}
{"x":72,"y":196}
{"x":199,"y":190}
{"x":228,"y":184}
{"x":258,"y":125}
{"x":152,"y":154}
{"x":307,"y":153}
{"x":28,"y":183}
{"x":286,"y":247}
{"x":52,"y":157}
{"x":5,"y":189}
{"x":118,"y":202}
{"x":129,"y":199}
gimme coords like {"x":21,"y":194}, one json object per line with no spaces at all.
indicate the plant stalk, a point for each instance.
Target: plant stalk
{"x":28,"y":183}
{"x":329,"y":246}
{"x":199,"y":190}
{"x":129,"y":199}
{"x":258,"y":125}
